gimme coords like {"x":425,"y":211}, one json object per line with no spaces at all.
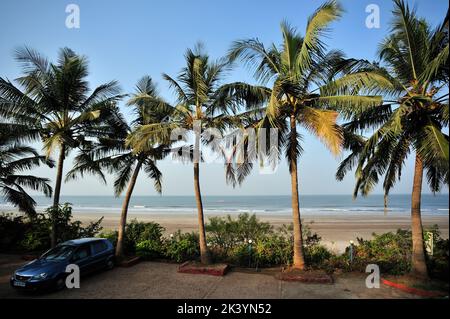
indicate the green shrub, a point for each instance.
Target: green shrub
{"x":12,"y":230}
{"x":149,"y":249}
{"x":111,"y":235}
{"x":33,"y":234}
{"x":228,"y":239}
{"x":136,"y":232}
{"x":226,"y":233}
{"x":182,"y":247}
{"x":392,"y":253}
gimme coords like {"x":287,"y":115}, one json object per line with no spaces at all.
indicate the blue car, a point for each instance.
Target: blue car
{"x":49,"y":270}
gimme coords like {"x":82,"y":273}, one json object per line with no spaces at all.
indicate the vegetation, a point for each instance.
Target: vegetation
{"x":309,"y":85}
{"x":33,"y":234}
{"x":259,"y":245}
{"x":52,"y":100}
{"x":203,"y":103}
{"x":402,"y":100}
{"x":112,"y":153}
{"x":15,"y":157}
{"x":414,"y":60}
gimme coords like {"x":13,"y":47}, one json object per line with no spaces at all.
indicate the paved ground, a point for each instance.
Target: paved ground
{"x":161,"y":280}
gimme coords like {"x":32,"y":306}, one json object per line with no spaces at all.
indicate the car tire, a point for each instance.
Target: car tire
{"x":109,"y":264}
{"x":60,"y":283}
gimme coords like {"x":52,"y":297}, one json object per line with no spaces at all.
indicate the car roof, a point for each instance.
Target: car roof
{"x":80,"y":241}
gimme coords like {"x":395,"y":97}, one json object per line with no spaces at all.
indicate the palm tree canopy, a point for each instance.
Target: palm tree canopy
{"x":15,"y":160}
{"x":309,"y":84}
{"x":201,"y":98}
{"x":113,"y":154}
{"x":414,"y":59}
{"x":54,"y":99}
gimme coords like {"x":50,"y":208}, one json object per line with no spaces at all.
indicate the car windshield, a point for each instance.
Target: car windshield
{"x":59,"y":253}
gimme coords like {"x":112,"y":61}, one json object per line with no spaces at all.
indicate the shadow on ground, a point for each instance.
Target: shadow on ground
{"x":161,"y":280}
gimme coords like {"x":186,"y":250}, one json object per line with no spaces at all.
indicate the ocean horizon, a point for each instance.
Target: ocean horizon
{"x":259,"y":204}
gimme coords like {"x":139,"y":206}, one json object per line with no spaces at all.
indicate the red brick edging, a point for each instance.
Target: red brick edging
{"x":415,"y":291}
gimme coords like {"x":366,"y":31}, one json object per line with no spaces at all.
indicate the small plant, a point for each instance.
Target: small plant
{"x":149,"y":249}
{"x":182,"y":247}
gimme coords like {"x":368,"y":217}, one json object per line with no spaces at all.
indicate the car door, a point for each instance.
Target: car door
{"x":82,"y":258}
{"x":99,"y":254}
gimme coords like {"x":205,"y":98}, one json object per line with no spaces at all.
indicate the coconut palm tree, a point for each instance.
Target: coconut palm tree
{"x":203,"y":103}
{"x":114,"y":155}
{"x":54,"y":99}
{"x":308,"y":85}
{"x":415,"y":61}
{"x":15,"y":159}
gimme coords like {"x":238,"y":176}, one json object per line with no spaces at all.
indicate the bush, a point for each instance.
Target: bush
{"x":392,"y":253}
{"x":12,"y":230}
{"x":226,"y":233}
{"x":33,"y":233}
{"x":229,"y":237}
{"x":111,"y":235}
{"x":182,"y":247}
{"x":136,"y":233}
{"x":149,"y":249}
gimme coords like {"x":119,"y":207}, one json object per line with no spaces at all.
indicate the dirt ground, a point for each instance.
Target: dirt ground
{"x":161,"y":280}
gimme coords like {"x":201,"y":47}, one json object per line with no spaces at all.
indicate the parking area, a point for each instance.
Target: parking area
{"x":161,"y":280}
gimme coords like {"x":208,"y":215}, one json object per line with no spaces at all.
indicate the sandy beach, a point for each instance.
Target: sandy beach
{"x":336,"y":230}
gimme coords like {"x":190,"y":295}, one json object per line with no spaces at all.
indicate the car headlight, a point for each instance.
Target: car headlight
{"x":40,"y":276}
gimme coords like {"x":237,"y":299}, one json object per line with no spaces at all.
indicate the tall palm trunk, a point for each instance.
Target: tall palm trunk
{"x":56,"y":195}
{"x":204,"y":254}
{"x":419,"y":266}
{"x":299,"y":259}
{"x":124,"y":213}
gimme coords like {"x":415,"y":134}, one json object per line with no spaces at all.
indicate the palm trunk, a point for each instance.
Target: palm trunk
{"x":123,"y":216}
{"x":299,"y":259}
{"x":56,"y":195}
{"x":419,"y":266}
{"x":204,"y":254}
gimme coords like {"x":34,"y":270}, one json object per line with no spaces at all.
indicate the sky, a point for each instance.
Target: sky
{"x":125,"y":40}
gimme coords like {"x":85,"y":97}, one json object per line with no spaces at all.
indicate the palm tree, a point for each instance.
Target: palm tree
{"x":306,"y":91}
{"x":202,"y":103}
{"x":15,"y":158}
{"x":54,"y":99}
{"x":113,"y":154}
{"x":415,"y":60}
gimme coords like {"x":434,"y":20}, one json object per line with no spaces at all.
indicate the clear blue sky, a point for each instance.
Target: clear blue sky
{"x":125,"y":40}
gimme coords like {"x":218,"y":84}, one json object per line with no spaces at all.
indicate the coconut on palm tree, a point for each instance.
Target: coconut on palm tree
{"x":307,"y":87}
{"x":414,"y":58}
{"x":54,"y":99}
{"x":117,"y":157}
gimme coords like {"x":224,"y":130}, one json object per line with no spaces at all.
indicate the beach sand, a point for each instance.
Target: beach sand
{"x":336,"y":230}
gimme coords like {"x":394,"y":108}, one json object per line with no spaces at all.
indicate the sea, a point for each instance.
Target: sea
{"x":309,"y":204}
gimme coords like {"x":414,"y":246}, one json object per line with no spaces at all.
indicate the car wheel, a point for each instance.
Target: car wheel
{"x":60,"y":283}
{"x":110,"y":264}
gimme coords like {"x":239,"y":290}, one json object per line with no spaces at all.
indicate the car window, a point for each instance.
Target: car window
{"x":82,"y":252}
{"x":99,"y":246}
{"x":59,"y":253}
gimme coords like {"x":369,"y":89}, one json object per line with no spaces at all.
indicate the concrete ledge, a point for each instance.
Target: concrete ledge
{"x":305,"y":276}
{"x":192,"y":267}
{"x":129,"y":262}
